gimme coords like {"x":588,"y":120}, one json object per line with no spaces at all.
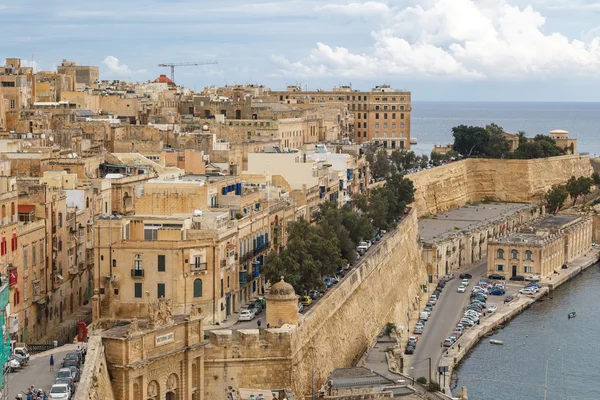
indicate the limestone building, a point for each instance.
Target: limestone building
{"x":282,"y":305}
{"x":381,"y":115}
{"x":540,"y":248}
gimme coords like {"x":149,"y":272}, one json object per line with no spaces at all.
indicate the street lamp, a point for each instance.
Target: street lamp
{"x":418,"y":362}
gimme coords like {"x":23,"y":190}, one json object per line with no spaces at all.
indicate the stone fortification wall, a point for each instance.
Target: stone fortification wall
{"x":340,"y":327}
{"x":95,"y":381}
{"x":449,"y":186}
{"x":246,"y":359}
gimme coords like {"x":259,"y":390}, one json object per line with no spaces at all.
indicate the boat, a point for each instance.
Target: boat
{"x":496,"y":341}
{"x":572,"y":314}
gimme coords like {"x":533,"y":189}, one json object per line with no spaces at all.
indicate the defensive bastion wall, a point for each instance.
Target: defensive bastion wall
{"x":452,"y":185}
{"x":340,"y":327}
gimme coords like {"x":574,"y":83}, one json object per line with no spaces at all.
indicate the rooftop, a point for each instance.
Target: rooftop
{"x":120,"y":330}
{"x":443,"y":225}
{"x":516,"y":238}
{"x":556,"y":221}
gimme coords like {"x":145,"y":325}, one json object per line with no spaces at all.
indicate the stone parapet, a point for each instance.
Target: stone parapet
{"x":95,"y":381}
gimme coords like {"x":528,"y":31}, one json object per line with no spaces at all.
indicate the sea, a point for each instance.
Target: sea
{"x":545,"y":355}
{"x":432,"y":122}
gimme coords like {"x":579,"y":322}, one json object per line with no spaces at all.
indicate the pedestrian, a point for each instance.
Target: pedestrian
{"x":45,"y":396}
{"x":459,"y":347}
{"x":55,"y":342}
{"x":259,"y":322}
{"x":51,"y":362}
{"x":268,"y":326}
{"x":441,"y":344}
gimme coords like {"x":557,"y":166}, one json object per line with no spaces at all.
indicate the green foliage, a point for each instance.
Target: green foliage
{"x":310,"y":254}
{"x":555,"y":198}
{"x":433,"y":387}
{"x":579,"y":187}
{"x":422,"y":380}
{"x":542,"y":146}
{"x":389,"y":201}
{"x":239,"y":215}
{"x":596,"y":178}
{"x":381,"y":167}
{"x":390,"y":328}
{"x":438,"y":158}
{"x":470,"y":140}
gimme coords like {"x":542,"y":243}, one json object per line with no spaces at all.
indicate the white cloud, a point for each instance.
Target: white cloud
{"x":452,"y":38}
{"x":116,"y":68}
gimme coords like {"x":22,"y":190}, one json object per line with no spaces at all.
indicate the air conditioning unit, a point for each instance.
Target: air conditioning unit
{"x":13,"y":324}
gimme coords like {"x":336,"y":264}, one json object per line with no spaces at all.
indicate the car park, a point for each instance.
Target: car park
{"x":517,"y":278}
{"x":246,"y":315}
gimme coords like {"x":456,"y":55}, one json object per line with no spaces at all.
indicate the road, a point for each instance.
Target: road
{"x":37,"y":372}
{"x":441,"y":323}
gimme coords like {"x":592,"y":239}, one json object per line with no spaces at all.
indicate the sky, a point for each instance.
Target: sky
{"x":440,"y":50}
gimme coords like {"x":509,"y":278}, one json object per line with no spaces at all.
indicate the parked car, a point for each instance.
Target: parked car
{"x":424,"y":315}
{"x":412,"y":341}
{"x":418,"y":330}
{"x":71,"y":359}
{"x":328,"y":282}
{"x":340,"y":271}
{"x":66,"y":381}
{"x":300,"y":307}
{"x":453,"y":337}
{"x":450,"y":277}
{"x":314,"y":294}
{"x":517,"y":278}
{"x":448,"y":342}
{"x":492,"y":309}
{"x":465,"y":282}
{"x":306,"y":301}
{"x":74,"y":373}
{"x":465,"y":276}
{"x":508,"y":299}
{"x":534,"y":284}
{"x":433,"y":299}
{"x":409,"y":350}
{"x":12,"y":365}
{"x":565,"y":266}
{"x":467,"y":322}
{"x":497,"y":292}
{"x":496,"y":276}
{"x":461,"y":289}
{"x":334,"y":278}
{"x":246,"y":315}
{"x":526,"y":291}
{"x":60,"y":391}
{"x":533,"y":278}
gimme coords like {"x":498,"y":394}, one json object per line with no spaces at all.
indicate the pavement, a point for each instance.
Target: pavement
{"x":37,"y":371}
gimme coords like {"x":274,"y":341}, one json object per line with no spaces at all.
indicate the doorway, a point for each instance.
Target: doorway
{"x":514,"y":270}
{"x":171,"y":396}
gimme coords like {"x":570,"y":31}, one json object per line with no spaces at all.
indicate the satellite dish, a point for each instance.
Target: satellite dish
{"x":43,"y":136}
{"x":69,"y":155}
{"x":74,"y":155}
{"x":51,"y":139}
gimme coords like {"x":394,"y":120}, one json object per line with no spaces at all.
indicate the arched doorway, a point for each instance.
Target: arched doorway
{"x":153,"y":391}
{"x":172,"y":385}
{"x":171,"y":396}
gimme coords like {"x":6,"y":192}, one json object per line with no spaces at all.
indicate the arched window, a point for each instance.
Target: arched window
{"x":3,"y":211}
{"x":514,"y":254}
{"x":528,"y":255}
{"x":198,"y":288}
{"x":500,"y":253}
{"x":12,"y":210}
{"x":87,"y":202}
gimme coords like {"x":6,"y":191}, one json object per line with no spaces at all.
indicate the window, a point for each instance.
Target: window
{"x":222,"y":291}
{"x":377,"y":108}
{"x":376,"y":125}
{"x":33,"y":255}
{"x":8,"y":84}
{"x":161,"y":290}
{"x":393,"y":115}
{"x":3,"y":246}
{"x":499,"y":267}
{"x":401,"y":124}
{"x":150,"y":233}
{"x":384,"y":115}
{"x":137,"y":264}
{"x":359,"y":124}
{"x":528,"y":255}
{"x":364,"y":115}
{"x":198,"y":288}
{"x":514,"y":254}
{"x":60,"y":220}
{"x":13,"y":104}
{"x":500,"y":253}
{"x":137,"y":290}
{"x":528,"y":270}
{"x":376,"y":115}
{"x":365,"y":126}
{"x":161,"y":263}
{"x":402,"y":108}
{"x":401,"y":115}
{"x":385,"y":125}
{"x":24,"y":258}
{"x":393,"y":108}
{"x":13,"y":242}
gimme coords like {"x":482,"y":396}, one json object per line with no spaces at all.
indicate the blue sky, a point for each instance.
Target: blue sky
{"x":544,"y":50}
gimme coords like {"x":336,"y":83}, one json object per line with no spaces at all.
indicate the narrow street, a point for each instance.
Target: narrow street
{"x":441,"y":323}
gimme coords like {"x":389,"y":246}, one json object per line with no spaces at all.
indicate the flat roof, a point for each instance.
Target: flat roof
{"x":556,"y":221}
{"x":518,"y":238}
{"x":442,"y":225}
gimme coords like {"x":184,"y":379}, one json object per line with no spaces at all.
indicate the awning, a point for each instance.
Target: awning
{"x":60,"y":277}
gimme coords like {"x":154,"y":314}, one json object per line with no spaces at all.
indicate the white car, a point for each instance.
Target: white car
{"x":60,"y":391}
{"x":533,"y":278}
{"x":526,"y":291}
{"x":246,"y":315}
{"x":492,"y":309}
{"x":473,"y":313}
{"x":465,"y":282}
{"x":461,"y":289}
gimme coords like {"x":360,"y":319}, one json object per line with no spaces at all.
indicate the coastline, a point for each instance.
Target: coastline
{"x":452,"y":357}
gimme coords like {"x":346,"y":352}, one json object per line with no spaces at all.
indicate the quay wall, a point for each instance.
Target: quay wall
{"x":453,"y":185}
{"x":95,"y":381}
{"x":341,"y":327}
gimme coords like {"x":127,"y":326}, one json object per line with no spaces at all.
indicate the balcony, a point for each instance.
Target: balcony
{"x":137,"y":273}
{"x":243,"y":278}
{"x":13,"y":276}
{"x":262,"y":247}
{"x":37,"y":289}
{"x":198,"y":266}
{"x":255,"y":270}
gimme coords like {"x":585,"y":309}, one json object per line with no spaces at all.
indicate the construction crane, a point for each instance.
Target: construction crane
{"x":184,"y":64}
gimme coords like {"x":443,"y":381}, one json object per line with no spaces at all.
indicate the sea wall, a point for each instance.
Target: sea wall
{"x":340,"y":327}
{"x":453,"y":185}
{"x":95,"y":381}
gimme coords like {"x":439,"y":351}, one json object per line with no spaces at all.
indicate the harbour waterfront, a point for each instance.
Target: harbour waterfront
{"x":541,"y":334}
{"x":432,"y":122}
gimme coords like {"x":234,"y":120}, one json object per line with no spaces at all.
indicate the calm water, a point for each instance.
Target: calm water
{"x":517,"y":370}
{"x":432,"y":122}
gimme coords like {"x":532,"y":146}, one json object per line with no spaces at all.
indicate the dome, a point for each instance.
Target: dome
{"x":164,"y":79}
{"x":282,"y":289}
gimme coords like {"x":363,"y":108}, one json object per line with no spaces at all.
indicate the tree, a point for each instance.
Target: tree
{"x":470,"y":140}
{"x":310,"y":254}
{"x":555,"y":198}
{"x":370,"y":154}
{"x":380,"y":168}
{"x":423,"y":161}
{"x":497,"y":146}
{"x":579,"y":187}
{"x":541,"y":146}
{"x":596,"y":178}
{"x":404,"y":160}
{"x":522,"y":138}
